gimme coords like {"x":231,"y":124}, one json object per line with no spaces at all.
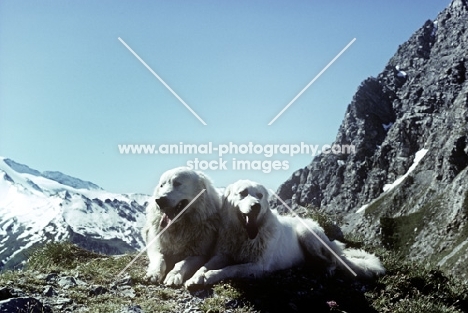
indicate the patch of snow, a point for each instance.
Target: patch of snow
{"x":340,"y":162}
{"x":457,"y":4}
{"x":139,"y":198}
{"x":387,"y":126}
{"x":402,"y":74}
{"x":417,"y":158}
{"x":363,"y":208}
{"x":435,"y":28}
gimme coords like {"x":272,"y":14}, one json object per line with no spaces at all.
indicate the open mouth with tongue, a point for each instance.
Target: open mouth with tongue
{"x":250,"y":224}
{"x":169,"y":213}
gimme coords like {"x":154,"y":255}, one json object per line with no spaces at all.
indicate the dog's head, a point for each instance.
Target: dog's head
{"x":249,"y":202}
{"x":176,"y":189}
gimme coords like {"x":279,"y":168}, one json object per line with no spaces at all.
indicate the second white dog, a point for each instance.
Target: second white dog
{"x":254,"y":240}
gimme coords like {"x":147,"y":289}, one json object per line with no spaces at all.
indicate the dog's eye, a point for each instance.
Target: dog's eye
{"x":243,"y":193}
{"x":259,"y":195}
{"x":176,"y":183}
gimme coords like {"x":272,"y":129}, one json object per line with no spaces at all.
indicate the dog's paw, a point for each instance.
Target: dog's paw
{"x":195,"y":281}
{"x":174,"y":278}
{"x":212,"y":277}
{"x":153,"y":277}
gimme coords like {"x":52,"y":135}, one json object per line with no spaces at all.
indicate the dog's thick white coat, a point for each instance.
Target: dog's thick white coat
{"x":253,"y":240}
{"x":189,"y":240}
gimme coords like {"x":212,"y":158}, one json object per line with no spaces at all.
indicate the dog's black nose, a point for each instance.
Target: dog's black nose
{"x":162,"y":202}
{"x":255,"y":207}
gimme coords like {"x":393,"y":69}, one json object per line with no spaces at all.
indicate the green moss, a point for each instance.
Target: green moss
{"x":58,"y":256}
{"x":226,"y":296}
{"x":399,"y":233}
{"x":26,"y":281}
{"x":388,"y":232}
{"x":411,"y":287}
{"x":375,"y":207}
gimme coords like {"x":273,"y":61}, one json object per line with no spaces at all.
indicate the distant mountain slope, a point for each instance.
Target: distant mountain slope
{"x":407,"y":183}
{"x":38,"y":207}
{"x":52,"y":175}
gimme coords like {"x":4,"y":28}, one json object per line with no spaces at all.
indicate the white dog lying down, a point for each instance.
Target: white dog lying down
{"x":254,"y":239}
{"x":189,"y":240}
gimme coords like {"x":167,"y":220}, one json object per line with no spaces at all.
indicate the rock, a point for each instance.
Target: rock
{"x":49,"y":291}
{"x":79,"y":282}
{"x":125,"y":281}
{"x":98,"y":290}
{"x":67,"y":282}
{"x":458,"y":4}
{"x":51,"y":277}
{"x":5,"y":293}
{"x":127,"y":292}
{"x":61,"y":303}
{"x":131,"y":309}
{"x":23,"y":304}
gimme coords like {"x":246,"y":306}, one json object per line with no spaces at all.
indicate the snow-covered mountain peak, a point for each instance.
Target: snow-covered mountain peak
{"x":20,"y":168}
{"x":55,"y":176}
{"x":36,"y":207}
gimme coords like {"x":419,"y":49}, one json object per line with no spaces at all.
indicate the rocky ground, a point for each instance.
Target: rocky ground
{"x":64,"y":278}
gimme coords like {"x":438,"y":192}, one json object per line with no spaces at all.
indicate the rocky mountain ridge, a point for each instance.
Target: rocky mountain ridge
{"x":417,"y":105}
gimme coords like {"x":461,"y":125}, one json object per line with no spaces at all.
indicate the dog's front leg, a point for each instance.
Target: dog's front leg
{"x":246,"y":270}
{"x":156,"y":268}
{"x":183,"y":270}
{"x":216,"y":262}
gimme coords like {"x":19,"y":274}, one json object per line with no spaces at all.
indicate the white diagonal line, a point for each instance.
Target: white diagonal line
{"x":162,"y":81}
{"x":317,"y":236}
{"x":160,"y":233}
{"x":312,"y":81}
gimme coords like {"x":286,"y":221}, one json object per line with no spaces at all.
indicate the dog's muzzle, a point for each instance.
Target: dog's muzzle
{"x":169,"y":212}
{"x":250,"y":220}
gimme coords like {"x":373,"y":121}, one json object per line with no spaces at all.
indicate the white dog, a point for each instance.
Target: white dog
{"x":178,"y":247}
{"x":254,"y":240}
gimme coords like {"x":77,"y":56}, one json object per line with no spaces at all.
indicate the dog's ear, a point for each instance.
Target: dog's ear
{"x":211,"y":197}
{"x":202,"y":180}
{"x":205,"y":183}
{"x":266,"y":193}
{"x":227,"y":192}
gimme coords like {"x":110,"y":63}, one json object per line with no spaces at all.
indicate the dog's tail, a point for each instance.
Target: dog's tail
{"x":364,"y":264}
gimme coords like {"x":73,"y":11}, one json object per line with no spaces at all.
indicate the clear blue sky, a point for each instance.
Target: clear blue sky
{"x":70,"y":92}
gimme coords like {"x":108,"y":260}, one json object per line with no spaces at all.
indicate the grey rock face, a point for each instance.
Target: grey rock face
{"x":131,"y":309}
{"x":67,"y":282}
{"x":419,"y":102}
{"x":23,"y":304}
